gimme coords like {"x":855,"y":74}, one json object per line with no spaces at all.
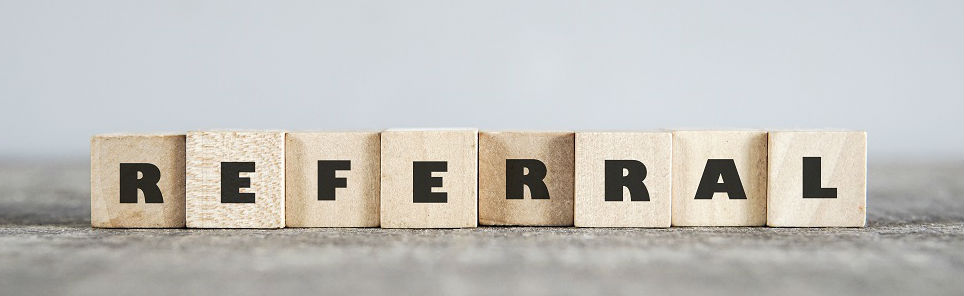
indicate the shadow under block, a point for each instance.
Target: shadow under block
{"x":429,"y":178}
{"x":137,"y":181}
{"x":817,"y":179}
{"x":345,"y":165}
{"x":719,"y":178}
{"x":635,"y":161}
{"x":538,"y":168}
{"x":235,"y":179}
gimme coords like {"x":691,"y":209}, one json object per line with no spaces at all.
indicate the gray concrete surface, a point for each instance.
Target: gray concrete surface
{"x":914,"y":245}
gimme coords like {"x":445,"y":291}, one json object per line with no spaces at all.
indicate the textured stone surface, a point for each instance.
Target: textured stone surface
{"x":913,"y":245}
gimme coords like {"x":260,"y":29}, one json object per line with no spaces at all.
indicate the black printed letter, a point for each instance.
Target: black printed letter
{"x":327,"y":182}
{"x":129,"y":183}
{"x":632,"y":180}
{"x":714,"y":170}
{"x":516,"y":179}
{"x":811,"y":180}
{"x":231,"y":183}
{"x":423,"y":182}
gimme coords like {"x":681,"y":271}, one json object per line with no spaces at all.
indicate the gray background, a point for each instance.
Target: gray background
{"x":70,"y":69}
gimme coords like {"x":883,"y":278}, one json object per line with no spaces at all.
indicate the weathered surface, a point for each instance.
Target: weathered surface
{"x":913,"y":245}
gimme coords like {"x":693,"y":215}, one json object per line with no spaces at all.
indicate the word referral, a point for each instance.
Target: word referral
{"x":459,"y":178}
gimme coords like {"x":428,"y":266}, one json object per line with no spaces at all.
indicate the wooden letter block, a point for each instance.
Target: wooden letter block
{"x":623,"y":179}
{"x":817,"y":179}
{"x":719,"y":178}
{"x":332,"y":179}
{"x":235,"y":179}
{"x":137,"y":181}
{"x":429,"y":178}
{"x":525,"y":178}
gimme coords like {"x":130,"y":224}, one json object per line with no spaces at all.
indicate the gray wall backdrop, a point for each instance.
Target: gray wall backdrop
{"x":70,"y":69}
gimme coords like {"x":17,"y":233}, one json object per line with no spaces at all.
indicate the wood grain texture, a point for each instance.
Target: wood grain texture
{"x":843,"y":159}
{"x":357,"y":204}
{"x":554,"y":149}
{"x":457,"y":147}
{"x":206,"y":150}
{"x":691,"y":150}
{"x":653,"y":149}
{"x":107,"y":152}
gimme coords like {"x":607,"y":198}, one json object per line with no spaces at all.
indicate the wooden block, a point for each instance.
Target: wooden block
{"x":137,"y":181}
{"x":345,"y":166}
{"x":719,"y":178}
{"x":817,"y":179}
{"x":235,"y":179}
{"x":429,"y":178}
{"x":525,"y":178}
{"x":623,"y":179}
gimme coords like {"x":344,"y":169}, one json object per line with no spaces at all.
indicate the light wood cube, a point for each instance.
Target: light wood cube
{"x":137,"y":181}
{"x":525,"y":178}
{"x":623,"y":179}
{"x":817,"y":179}
{"x":235,"y":179}
{"x":719,"y":178}
{"x":332,"y":179}
{"x":429,"y":178}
